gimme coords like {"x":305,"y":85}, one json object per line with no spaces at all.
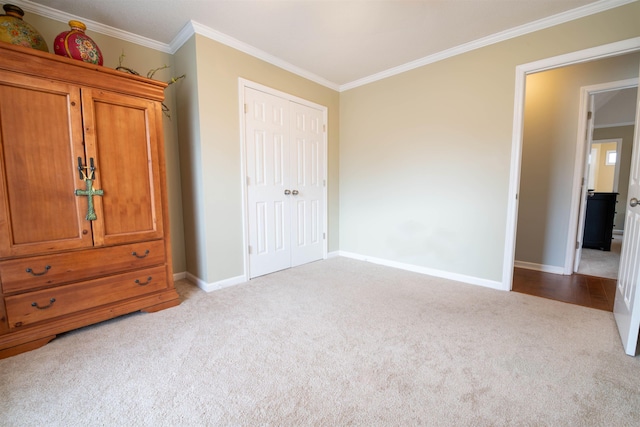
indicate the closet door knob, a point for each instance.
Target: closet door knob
{"x":633,"y":202}
{"x":287,"y":192}
{"x":295,"y":192}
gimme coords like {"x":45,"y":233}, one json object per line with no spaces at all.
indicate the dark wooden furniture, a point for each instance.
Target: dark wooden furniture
{"x":75,"y":136}
{"x":598,"y":226}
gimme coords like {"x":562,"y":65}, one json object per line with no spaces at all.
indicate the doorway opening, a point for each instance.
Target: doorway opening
{"x":602,"y":167}
{"x":554,"y":254}
{"x":608,"y":146}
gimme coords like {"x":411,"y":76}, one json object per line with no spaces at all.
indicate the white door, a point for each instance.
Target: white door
{"x":285,"y":182}
{"x":307,"y":184}
{"x":626,"y":308}
{"x":267,"y":159}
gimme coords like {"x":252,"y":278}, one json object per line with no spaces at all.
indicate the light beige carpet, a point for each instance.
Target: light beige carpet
{"x":333,"y":343}
{"x":595,"y":262}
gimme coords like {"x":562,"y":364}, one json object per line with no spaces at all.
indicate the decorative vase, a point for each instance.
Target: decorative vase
{"x":16,"y":31}
{"x":77,"y":45}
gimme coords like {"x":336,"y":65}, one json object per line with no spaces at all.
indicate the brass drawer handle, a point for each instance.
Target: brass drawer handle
{"x":135,"y":254}
{"x":46,"y":269}
{"x":145,"y":283}
{"x":35,"y":304}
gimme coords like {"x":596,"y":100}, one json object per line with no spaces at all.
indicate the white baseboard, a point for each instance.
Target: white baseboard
{"x":179,"y":276}
{"x":210,"y":287}
{"x":428,"y":271}
{"x":539,"y":267}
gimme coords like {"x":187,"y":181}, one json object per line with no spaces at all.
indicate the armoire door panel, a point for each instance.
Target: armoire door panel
{"x":41,"y":132}
{"x":119,"y":130}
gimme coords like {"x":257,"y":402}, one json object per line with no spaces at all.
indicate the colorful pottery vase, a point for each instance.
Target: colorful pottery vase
{"x":77,"y":45}
{"x":16,"y":31}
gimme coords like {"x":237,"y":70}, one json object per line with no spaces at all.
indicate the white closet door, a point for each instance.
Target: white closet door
{"x":307,"y":184}
{"x":267,"y":157}
{"x":285,"y":155}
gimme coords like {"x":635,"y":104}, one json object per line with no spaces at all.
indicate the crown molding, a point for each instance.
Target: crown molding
{"x":541,"y":24}
{"x":193,"y":27}
{"x":182,"y":37}
{"x":187,"y":31}
{"x":614,"y":125}
{"x":56,"y":15}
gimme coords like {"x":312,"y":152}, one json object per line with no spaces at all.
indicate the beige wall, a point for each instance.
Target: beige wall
{"x":548,"y":154}
{"x":215,"y":236}
{"x":418,"y":163}
{"x":626,"y":134}
{"x":425,"y":155}
{"x":190,"y":157}
{"x":606,"y":173}
{"x":142,"y":60}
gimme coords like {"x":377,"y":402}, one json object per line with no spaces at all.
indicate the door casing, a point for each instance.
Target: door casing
{"x":576,"y":220}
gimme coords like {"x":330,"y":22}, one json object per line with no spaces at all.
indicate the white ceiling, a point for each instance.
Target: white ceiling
{"x":337,"y":41}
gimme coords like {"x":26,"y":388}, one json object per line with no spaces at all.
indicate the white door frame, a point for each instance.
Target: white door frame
{"x":578,"y":211}
{"x":600,"y":52}
{"x":585,"y":138}
{"x":242,"y":84}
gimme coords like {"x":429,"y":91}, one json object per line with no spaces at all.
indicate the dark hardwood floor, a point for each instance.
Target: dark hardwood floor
{"x":587,"y":291}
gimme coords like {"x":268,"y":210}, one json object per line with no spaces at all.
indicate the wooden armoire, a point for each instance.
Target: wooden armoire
{"x":84,"y":231}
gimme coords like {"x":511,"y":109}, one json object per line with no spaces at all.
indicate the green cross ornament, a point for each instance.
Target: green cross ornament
{"x":90,"y":192}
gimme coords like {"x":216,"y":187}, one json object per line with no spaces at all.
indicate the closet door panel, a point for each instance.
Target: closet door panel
{"x":268,"y":191}
{"x":307,"y":171}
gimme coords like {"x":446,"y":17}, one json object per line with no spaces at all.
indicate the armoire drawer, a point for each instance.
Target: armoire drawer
{"x":38,"y":272}
{"x":28,"y":308}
